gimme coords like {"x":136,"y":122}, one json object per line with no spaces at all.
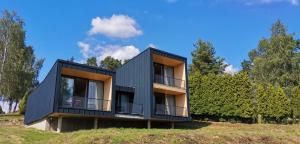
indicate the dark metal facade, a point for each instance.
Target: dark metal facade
{"x":136,"y":74}
{"x":41,"y":101}
{"x":44,"y":100}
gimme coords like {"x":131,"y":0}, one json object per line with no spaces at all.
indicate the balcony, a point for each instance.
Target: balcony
{"x":170,"y":110}
{"x":85,"y":103}
{"x":130,"y":108}
{"x":169,"y":81}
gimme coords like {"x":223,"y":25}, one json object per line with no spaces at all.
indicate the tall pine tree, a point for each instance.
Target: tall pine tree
{"x":204,"y":59}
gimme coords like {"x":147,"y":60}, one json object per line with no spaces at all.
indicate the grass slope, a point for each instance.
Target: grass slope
{"x":195,"y":132}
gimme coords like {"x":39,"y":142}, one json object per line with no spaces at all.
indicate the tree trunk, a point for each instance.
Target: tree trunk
{"x":10,"y":105}
{"x":259,"y":119}
{"x":15,"y":107}
{"x":4,"y":58}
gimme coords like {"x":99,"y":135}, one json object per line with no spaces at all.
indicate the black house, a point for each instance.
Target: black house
{"x":151,"y":87}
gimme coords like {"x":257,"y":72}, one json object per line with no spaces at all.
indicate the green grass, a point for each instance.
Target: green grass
{"x":195,"y":132}
{"x":6,"y":117}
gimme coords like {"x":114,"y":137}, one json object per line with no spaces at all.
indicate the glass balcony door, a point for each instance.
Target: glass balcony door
{"x":73,"y":92}
{"x":169,"y":75}
{"x":82,"y":93}
{"x":165,"y":104}
{"x":95,"y":95}
{"x":163,"y":74}
{"x":159,"y":73}
{"x":124,"y":102}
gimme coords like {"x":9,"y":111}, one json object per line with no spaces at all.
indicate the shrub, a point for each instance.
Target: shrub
{"x":225,"y":96}
{"x":271,"y":103}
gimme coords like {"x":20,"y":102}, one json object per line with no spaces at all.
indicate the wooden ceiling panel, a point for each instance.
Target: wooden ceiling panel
{"x":84,"y":74}
{"x":166,"y":60}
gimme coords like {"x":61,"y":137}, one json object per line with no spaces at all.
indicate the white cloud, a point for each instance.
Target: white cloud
{"x":117,"y":51}
{"x":152,"y":45}
{"x":117,"y":26}
{"x":101,"y":51}
{"x":252,"y":2}
{"x":85,"y":48}
{"x":230,"y":69}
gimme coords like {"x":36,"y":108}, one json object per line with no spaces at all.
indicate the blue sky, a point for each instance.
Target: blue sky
{"x":60,"y":30}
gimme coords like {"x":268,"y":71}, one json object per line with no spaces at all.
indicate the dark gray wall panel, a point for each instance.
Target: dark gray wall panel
{"x":136,"y":73}
{"x":40,"y":101}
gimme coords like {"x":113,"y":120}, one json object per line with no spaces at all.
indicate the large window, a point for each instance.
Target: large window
{"x":165,"y":104}
{"x":73,"y":92}
{"x":82,"y":93}
{"x":95,"y":95}
{"x":163,"y":74}
{"x":124,"y":102}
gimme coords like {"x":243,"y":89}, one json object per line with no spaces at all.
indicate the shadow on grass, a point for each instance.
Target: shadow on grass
{"x":192,"y":125}
{"x":154,"y":124}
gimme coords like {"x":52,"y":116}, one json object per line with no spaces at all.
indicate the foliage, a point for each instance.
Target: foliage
{"x":276,"y":59}
{"x":23,"y":102}
{"x":295,"y":102}
{"x":110,"y":63}
{"x":19,"y":67}
{"x":221,"y":95}
{"x":72,"y":59}
{"x":92,"y":61}
{"x":246,"y":66}
{"x":271,"y":102}
{"x":204,"y":59}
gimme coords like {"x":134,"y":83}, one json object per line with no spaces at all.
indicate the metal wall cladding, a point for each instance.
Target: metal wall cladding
{"x":41,"y":101}
{"x":137,"y":74}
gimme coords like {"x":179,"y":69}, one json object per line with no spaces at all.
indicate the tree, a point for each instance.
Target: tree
{"x":276,"y":59}
{"x":204,"y":59}
{"x":92,"y":61}
{"x":1,"y":111}
{"x":246,"y":66}
{"x":295,"y":102}
{"x":271,"y":102}
{"x":19,"y":65}
{"x":72,"y":59}
{"x":125,"y":61}
{"x":110,"y":63}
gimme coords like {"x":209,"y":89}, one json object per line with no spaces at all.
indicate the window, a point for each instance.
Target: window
{"x":95,"y":95}
{"x":124,"y":102}
{"x":163,"y":74}
{"x":82,"y":93}
{"x":165,"y":104}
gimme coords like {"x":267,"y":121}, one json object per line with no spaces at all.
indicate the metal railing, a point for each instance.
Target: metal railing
{"x":86,"y":103}
{"x":130,"y":108}
{"x":161,"y":109}
{"x":170,"y":81}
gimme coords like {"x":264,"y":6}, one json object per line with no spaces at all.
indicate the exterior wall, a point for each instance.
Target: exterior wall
{"x":41,"y":125}
{"x":136,"y":74}
{"x":40,"y":102}
{"x":108,"y":93}
{"x":179,"y":73}
{"x":181,"y":102}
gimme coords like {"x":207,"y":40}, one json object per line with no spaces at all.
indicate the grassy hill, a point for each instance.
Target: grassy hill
{"x":12,"y":131}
